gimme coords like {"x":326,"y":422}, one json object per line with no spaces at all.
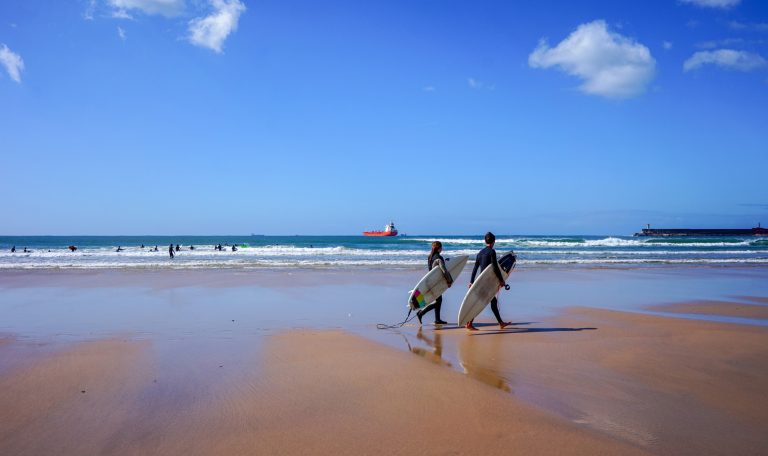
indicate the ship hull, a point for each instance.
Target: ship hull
{"x":670,"y":232}
{"x":379,"y":233}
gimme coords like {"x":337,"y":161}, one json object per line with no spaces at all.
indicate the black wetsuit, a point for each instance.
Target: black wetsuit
{"x":485,"y":258}
{"x":437,"y":261}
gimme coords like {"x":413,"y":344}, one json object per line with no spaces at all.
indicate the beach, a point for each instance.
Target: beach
{"x":283,"y":361}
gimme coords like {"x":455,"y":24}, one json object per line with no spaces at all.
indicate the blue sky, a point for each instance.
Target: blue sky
{"x":228,"y":117}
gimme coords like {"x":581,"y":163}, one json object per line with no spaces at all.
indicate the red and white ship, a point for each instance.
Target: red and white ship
{"x":389,"y":230}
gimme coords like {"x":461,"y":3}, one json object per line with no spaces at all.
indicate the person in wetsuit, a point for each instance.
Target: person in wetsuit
{"x":485,"y":258}
{"x":436,"y":260}
{"x":13,"y":249}
{"x":170,"y":250}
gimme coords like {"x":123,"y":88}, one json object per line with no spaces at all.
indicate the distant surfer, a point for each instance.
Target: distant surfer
{"x":170,"y":250}
{"x":119,"y":248}
{"x":13,"y":249}
{"x":485,"y":258}
{"x":436,"y":260}
{"x":177,"y":247}
{"x":191,"y":247}
{"x":234,"y":248}
{"x":72,"y":248}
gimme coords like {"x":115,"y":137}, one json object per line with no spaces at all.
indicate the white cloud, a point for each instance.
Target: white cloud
{"x":211,"y":31}
{"x":726,"y":58}
{"x":121,"y":33}
{"x":168,"y":8}
{"x":121,"y":14}
{"x":751,"y":26}
{"x":88,"y":14}
{"x":12,"y":62}
{"x":711,"y":44}
{"x":611,"y":65}
{"x":667,"y":45}
{"x":479,"y":85}
{"x":713,"y":3}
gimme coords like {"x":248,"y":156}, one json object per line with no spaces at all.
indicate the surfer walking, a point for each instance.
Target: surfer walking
{"x":436,"y":260}
{"x":170,"y":250}
{"x":485,"y":258}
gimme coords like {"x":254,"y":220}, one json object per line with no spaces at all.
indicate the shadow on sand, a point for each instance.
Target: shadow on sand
{"x":512,"y":329}
{"x":528,"y":330}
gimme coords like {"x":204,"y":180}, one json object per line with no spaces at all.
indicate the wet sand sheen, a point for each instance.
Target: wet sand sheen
{"x":210,"y":364}
{"x":721,"y":308}
{"x":669,"y":385}
{"x":323,"y":392}
{"x":637,"y":382}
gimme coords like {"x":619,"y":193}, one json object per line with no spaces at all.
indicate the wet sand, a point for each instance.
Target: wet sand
{"x":202,"y":364}
{"x":724,"y":308}
{"x":312,"y":392}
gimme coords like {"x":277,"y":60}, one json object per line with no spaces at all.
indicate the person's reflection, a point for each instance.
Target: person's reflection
{"x":434,"y":355}
{"x":471,"y":359}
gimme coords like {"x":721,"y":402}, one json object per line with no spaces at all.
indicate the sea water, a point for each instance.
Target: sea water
{"x":96,"y":252}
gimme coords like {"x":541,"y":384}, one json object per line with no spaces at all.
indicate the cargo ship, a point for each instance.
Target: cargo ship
{"x":668,"y":232}
{"x":389,"y":230}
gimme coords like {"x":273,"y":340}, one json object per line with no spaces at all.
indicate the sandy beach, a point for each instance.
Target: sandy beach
{"x":267,"y":362}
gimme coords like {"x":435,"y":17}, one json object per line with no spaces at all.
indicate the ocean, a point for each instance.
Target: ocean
{"x":349,"y":252}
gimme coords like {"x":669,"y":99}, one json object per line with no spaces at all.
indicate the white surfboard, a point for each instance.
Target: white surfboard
{"x":433,"y":284}
{"x":484,"y":289}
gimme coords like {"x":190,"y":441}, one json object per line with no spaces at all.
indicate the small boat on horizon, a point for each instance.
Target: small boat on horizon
{"x":389,"y":230}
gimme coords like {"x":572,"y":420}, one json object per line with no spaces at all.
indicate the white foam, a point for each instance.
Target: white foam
{"x":562,"y":250}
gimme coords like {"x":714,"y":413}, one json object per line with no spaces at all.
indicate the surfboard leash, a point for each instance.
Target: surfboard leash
{"x":397,"y":325}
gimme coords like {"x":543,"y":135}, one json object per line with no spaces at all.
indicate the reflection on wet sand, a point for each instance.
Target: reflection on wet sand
{"x":482,"y":358}
{"x":470,"y":355}
{"x":435,"y":355}
{"x":473,"y":356}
